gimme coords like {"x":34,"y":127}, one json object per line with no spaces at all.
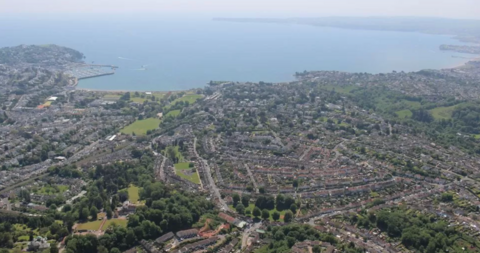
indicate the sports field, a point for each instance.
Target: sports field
{"x":140,"y":127}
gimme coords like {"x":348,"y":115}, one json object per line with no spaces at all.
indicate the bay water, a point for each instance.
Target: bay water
{"x":162,"y":54}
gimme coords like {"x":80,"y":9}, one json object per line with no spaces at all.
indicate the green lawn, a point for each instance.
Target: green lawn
{"x":112,"y":96}
{"x":187,"y":173}
{"x":133,"y":195}
{"x":50,"y":190}
{"x":93,"y":225}
{"x":159,"y":94}
{"x":190,"y":98}
{"x":138,"y":100}
{"x":339,"y":89}
{"x":23,"y":238}
{"x":173,"y":113}
{"x":440,"y":113}
{"x":404,"y":114}
{"x":118,"y":222}
{"x":140,"y":127}
{"x":412,"y":104}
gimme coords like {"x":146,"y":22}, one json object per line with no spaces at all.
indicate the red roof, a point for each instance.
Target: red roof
{"x":226,"y":217}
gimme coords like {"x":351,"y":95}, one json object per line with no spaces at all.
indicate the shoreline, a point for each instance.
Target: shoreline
{"x":113,"y":91}
{"x":475,"y":58}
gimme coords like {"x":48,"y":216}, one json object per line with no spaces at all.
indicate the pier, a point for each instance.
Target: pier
{"x":90,"y":71}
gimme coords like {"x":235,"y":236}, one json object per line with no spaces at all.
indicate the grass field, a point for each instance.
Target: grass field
{"x":138,"y":100}
{"x":118,"y":222}
{"x":47,"y":103}
{"x":93,"y":225}
{"x":133,"y":195}
{"x":49,"y":190}
{"x":190,"y":98}
{"x":440,"y":113}
{"x":404,"y":114}
{"x":112,"y":96}
{"x":173,"y":113}
{"x":140,"y":127}
{"x":412,"y":104}
{"x":24,"y":238}
{"x":187,"y":173}
{"x":339,"y":89}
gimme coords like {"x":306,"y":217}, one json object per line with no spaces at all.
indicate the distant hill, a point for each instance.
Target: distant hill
{"x":467,"y":30}
{"x":44,"y":55}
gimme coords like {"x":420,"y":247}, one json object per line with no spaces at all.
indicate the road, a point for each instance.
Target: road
{"x":212,"y":186}
{"x":305,"y":153}
{"x":160,"y":168}
{"x":251,"y":177}
{"x":247,"y":232}
{"x":70,"y":201}
{"x":337,"y":153}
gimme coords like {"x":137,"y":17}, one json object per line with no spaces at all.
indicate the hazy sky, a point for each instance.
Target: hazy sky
{"x":251,"y":8}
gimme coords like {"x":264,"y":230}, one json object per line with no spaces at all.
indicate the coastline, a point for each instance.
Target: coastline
{"x":113,"y":91}
{"x":475,"y":58}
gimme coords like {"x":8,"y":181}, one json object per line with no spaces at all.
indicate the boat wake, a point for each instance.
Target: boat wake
{"x":123,"y":58}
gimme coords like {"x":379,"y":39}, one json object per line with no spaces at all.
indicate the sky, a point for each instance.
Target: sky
{"x":247,"y":8}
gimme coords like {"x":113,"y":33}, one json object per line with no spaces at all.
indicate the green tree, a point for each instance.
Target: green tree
{"x":293,"y":208}
{"x":102,"y":249}
{"x":256,"y":212}
{"x":295,"y":183}
{"x":108,"y":210}
{"x":275,"y":216}
{"x":83,"y":215}
{"x":93,"y":212}
{"x":66,"y":208}
{"x":261,"y":190}
{"x":130,"y":239}
{"x":245,"y":199}
{"x":236,"y":199}
{"x":280,"y":202}
{"x":53,"y":248}
{"x":265,"y":214}
{"x":240,"y":208}
{"x":288,"y":217}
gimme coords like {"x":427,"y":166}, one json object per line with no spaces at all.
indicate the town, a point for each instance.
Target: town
{"x":331,"y":162}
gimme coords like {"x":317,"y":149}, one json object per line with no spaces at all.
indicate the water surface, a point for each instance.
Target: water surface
{"x":176,"y":54}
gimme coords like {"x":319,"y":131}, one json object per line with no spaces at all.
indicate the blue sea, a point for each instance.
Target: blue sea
{"x":182,"y":53}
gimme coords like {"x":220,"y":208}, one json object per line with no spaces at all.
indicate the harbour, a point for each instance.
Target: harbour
{"x":91,"y":71}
